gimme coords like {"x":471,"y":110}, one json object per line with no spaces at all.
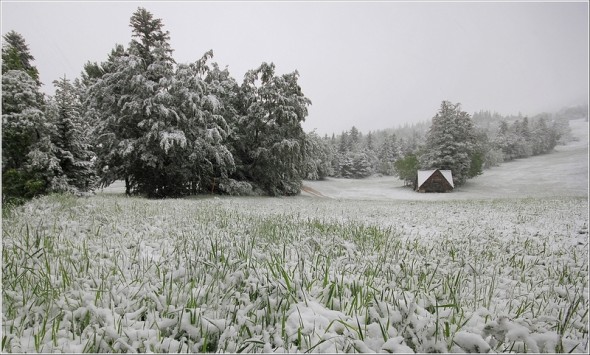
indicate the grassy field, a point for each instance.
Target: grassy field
{"x":116,"y":274}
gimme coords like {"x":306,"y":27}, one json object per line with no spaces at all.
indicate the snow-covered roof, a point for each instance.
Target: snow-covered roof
{"x":423,"y":175}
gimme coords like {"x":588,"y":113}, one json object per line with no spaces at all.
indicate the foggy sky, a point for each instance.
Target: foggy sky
{"x":374,"y":65}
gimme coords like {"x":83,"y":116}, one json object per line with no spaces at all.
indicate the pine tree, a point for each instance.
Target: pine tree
{"x":104,"y":90}
{"x":70,"y":138}
{"x":522,"y":138}
{"x":23,"y":117}
{"x":29,"y":166}
{"x":354,"y":139}
{"x":370,"y":144}
{"x":344,"y":144}
{"x":361,"y":165}
{"x":147,"y":115}
{"x":198,"y":135}
{"x":135,"y":105}
{"x":269,"y":141}
{"x":162,"y":127}
{"x":346,"y":166}
{"x":151,"y":44}
{"x":389,"y":153}
{"x":318,"y":157}
{"x":450,"y":143}
{"x":16,"y":56}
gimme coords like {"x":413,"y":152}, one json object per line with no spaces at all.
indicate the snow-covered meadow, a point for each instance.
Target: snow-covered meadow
{"x":504,"y":273}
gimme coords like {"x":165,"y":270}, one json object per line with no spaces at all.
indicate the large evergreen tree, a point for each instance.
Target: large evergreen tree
{"x":269,"y":140}
{"x":136,"y":111}
{"x":29,"y":165}
{"x":102,"y":96}
{"x":198,"y":133}
{"x":22,"y":117}
{"x":22,"y":102}
{"x":362,"y":166}
{"x":162,"y":127}
{"x":450,"y":143}
{"x":146,"y":114}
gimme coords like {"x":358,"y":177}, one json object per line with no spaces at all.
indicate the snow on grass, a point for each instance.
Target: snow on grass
{"x":499,"y":265}
{"x":115,"y":274}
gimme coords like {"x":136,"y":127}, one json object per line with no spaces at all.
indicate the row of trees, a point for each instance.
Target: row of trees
{"x":167,"y":129}
{"x":354,"y":155}
{"x":450,"y":143}
{"x":454,"y":140}
{"x":170,"y":129}
{"x":520,"y":137}
{"x":174,"y":129}
{"x":44,"y":142}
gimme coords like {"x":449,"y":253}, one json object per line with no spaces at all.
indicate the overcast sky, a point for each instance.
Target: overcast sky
{"x":374,"y":65}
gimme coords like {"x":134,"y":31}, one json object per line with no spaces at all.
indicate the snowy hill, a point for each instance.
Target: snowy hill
{"x":563,"y":172}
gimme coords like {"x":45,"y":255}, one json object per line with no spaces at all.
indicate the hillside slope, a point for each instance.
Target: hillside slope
{"x":563,"y":172}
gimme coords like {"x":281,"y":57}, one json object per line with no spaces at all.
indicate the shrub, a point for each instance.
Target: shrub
{"x":34,"y":187}
{"x":18,"y":186}
{"x":236,"y":188}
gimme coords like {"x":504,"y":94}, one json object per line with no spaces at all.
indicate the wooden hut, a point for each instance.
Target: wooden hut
{"x":435,"y":181}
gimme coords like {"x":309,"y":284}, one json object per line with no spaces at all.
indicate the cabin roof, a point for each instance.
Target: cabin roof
{"x":423,"y":175}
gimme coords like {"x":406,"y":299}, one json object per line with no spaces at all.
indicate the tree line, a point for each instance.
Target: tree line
{"x":166,"y":129}
{"x":174,"y":129}
{"x":454,"y":140}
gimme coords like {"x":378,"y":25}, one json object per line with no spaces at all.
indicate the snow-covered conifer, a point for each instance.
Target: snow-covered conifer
{"x":318,"y":157}
{"x":389,"y":152}
{"x":199,"y":132}
{"x":22,"y":117}
{"x":135,"y":104}
{"x":16,"y":56}
{"x":269,"y":138}
{"x":70,"y":137}
{"x":104,"y":84}
{"x":361,"y":165}
{"x":450,"y":143}
{"x":25,"y":135}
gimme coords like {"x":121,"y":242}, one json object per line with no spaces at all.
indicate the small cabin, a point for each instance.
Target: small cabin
{"x":435,"y":181}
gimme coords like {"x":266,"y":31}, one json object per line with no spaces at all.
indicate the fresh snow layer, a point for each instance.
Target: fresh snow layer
{"x":116,"y":274}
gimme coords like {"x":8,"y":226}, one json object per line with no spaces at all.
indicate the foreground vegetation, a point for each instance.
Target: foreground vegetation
{"x":115,"y":274}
